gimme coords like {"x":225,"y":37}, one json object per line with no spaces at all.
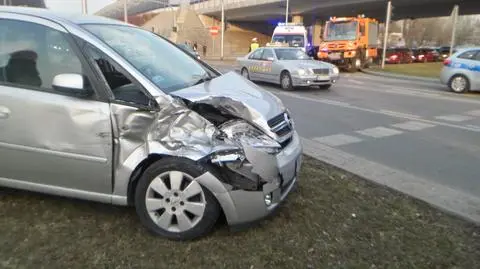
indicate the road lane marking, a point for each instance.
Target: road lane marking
{"x":454,"y":118}
{"x":412,"y":92}
{"x":379,"y":132}
{"x":462,"y":127}
{"x":448,"y":198}
{"x":337,"y":140}
{"x":334,"y":102}
{"x":475,"y":113}
{"x":474,"y":126}
{"x":395,"y":113}
{"x":412,"y":125}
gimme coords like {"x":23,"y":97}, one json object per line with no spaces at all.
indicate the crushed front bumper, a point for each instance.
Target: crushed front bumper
{"x":314,"y":80}
{"x":244,"y":206}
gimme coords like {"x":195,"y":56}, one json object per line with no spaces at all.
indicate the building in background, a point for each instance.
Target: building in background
{"x":29,"y":3}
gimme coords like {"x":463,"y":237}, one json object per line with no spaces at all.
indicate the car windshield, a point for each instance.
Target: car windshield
{"x":290,"y":54}
{"x":291,"y":40}
{"x":167,"y":66}
{"x":341,"y":31}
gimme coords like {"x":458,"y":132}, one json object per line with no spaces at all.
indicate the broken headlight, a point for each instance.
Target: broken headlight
{"x":243,"y":133}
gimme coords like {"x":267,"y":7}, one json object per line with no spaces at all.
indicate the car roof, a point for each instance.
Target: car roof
{"x":61,"y":18}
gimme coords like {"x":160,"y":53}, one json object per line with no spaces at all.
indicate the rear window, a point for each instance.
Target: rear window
{"x":468,"y":54}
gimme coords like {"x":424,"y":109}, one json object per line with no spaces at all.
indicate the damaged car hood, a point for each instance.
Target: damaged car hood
{"x":235,"y":95}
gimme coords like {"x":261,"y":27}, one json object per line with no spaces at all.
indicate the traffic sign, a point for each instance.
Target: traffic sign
{"x":214,"y":30}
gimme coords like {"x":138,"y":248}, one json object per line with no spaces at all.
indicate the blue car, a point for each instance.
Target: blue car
{"x":461,"y":71}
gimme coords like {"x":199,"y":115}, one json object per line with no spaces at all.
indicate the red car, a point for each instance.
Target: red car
{"x":399,"y":56}
{"x":423,"y":55}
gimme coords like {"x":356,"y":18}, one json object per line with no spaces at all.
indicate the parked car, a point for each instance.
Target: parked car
{"x":461,"y":71}
{"x":444,"y":52}
{"x":124,"y":116}
{"x":189,"y":49}
{"x":423,"y":55}
{"x":289,"y":67}
{"x":399,"y":56}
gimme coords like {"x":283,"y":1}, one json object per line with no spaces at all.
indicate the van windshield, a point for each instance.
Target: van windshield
{"x":346,"y":30}
{"x":292,"y":40}
{"x":163,"y":63}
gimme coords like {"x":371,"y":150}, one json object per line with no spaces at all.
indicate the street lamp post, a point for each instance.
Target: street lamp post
{"x":385,"y":38}
{"x":125,"y":12}
{"x":454,"y":28}
{"x":286,"y":12}
{"x":223,"y":30}
{"x":84,"y":7}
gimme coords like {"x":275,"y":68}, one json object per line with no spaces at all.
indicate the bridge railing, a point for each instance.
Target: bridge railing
{"x":215,"y":5}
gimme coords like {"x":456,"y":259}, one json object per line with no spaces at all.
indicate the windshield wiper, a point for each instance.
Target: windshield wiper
{"x":204,"y":78}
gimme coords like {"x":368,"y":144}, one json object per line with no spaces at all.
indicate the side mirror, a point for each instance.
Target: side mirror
{"x":70,"y":84}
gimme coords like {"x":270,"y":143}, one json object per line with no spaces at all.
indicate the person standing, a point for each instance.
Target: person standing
{"x":254,"y":45}
{"x":195,"y":47}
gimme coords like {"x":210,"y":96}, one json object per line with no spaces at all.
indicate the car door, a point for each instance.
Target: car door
{"x":266,"y":62}
{"x":51,"y":139}
{"x":254,"y":61}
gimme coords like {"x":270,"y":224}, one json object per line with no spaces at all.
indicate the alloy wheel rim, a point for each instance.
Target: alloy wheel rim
{"x":459,"y":84}
{"x":285,"y":82}
{"x":357,"y":63}
{"x":175,"y":201}
{"x":245,"y":73}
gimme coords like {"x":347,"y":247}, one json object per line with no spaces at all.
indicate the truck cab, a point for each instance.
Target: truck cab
{"x":293,"y":34}
{"x":349,"y":42}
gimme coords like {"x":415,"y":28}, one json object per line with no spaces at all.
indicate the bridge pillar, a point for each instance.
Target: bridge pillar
{"x":317,"y":33}
{"x":297,"y":19}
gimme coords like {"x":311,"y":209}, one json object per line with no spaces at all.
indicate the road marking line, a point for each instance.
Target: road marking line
{"x":356,"y":82}
{"x":412,"y":125}
{"x":291,"y":95}
{"x":474,"y":126}
{"x":379,"y":132}
{"x":454,"y":118}
{"x":449,"y":199}
{"x":440,"y":96}
{"x":475,"y":113}
{"x":337,"y":140}
{"x":395,"y":113}
{"x":333,"y":102}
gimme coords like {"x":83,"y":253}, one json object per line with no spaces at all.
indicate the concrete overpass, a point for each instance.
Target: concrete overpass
{"x":252,"y":11}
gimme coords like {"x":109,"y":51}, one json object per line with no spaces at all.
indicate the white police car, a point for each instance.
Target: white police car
{"x":461,"y":71}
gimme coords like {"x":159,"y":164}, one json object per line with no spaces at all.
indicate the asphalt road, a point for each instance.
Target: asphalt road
{"x":417,"y":129}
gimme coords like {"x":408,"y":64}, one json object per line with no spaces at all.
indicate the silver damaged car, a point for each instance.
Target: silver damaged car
{"x":96,"y":109}
{"x":288,"y":67}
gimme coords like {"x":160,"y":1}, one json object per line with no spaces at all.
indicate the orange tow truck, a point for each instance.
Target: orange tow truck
{"x":349,"y":42}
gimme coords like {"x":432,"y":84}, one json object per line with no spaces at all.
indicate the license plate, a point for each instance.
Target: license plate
{"x":323,"y":78}
{"x":334,"y":56}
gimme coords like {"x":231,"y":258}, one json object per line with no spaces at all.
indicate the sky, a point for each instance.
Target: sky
{"x":75,"y":6}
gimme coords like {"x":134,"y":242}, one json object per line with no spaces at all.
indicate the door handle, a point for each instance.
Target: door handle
{"x":4,"y":112}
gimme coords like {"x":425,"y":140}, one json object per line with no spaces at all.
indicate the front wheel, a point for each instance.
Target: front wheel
{"x":171,"y":203}
{"x":354,"y":65}
{"x":459,"y":84}
{"x":286,"y":81}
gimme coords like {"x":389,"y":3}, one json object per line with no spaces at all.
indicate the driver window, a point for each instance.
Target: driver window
{"x":121,"y":86}
{"x":256,"y":55}
{"x":267,"y":55}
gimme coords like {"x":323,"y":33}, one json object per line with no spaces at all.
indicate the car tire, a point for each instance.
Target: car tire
{"x":459,"y":84}
{"x":325,"y":87}
{"x":245,"y":73}
{"x":354,"y":65}
{"x":178,"y":207}
{"x":286,"y":81}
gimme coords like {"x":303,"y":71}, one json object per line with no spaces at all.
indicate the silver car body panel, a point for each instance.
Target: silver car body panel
{"x":90,"y":149}
{"x":270,"y":71}
{"x":470,"y":68}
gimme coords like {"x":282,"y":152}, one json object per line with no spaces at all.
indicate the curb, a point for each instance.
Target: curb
{"x":404,"y":77}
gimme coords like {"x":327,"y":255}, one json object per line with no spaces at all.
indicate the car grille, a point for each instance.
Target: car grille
{"x":281,"y":125}
{"x":323,"y":71}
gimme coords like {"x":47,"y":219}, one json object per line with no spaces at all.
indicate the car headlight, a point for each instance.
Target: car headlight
{"x":335,"y":70}
{"x":242,"y":133}
{"x":303,"y":72}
